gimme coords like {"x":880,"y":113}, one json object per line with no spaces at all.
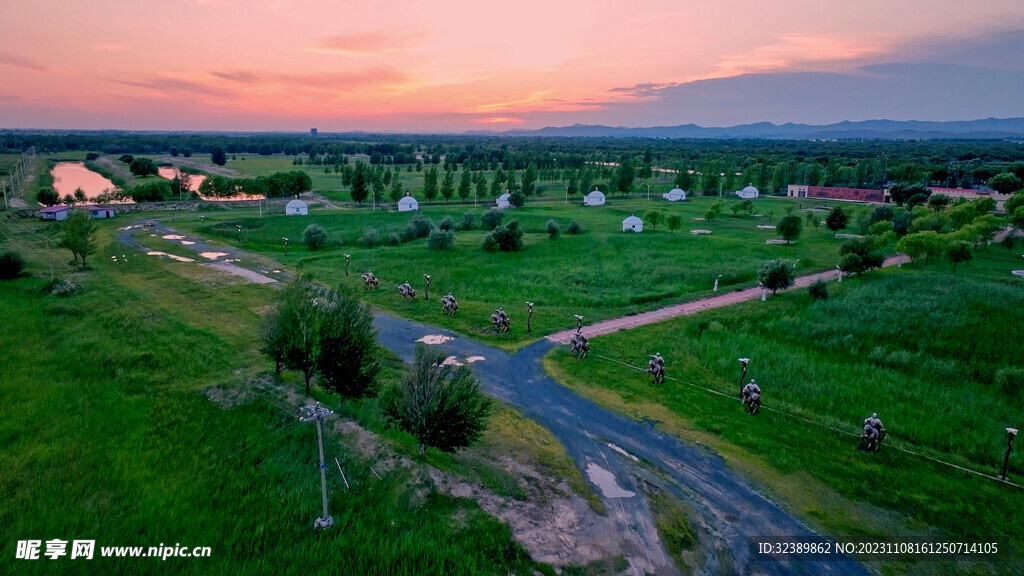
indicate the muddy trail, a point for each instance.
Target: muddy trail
{"x":615,"y":453}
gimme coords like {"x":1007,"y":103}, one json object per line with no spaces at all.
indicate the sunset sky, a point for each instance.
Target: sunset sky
{"x":454,"y":65}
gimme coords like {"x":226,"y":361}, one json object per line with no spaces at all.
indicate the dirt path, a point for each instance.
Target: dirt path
{"x":205,"y":167}
{"x":694,"y":306}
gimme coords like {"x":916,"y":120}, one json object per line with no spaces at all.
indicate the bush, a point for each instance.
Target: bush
{"x":127,"y":158}
{"x":467,"y":221}
{"x":818,"y":290}
{"x":441,"y":405}
{"x":418,"y":227}
{"x":882,"y":213}
{"x":859,"y":255}
{"x":507,"y":238}
{"x":575,"y":228}
{"x":314,"y":237}
{"x":441,"y":240}
{"x":394,"y":239}
{"x":370,"y":238}
{"x":448,"y":223}
{"x":517,"y":199}
{"x":491,"y":219}
{"x":142,"y":167}
{"x":48,"y":197}
{"x":90,"y":156}
{"x":11,"y":265}
{"x":553,"y":229}
{"x":1011,"y":382}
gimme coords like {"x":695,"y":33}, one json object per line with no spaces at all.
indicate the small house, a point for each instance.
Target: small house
{"x":675,"y":195}
{"x":748,"y":193}
{"x":408,"y":204}
{"x":57,"y":212}
{"x":595,"y":198}
{"x":296,"y":208}
{"x":99,"y":212}
{"x":504,"y":201}
{"x":633,"y":224}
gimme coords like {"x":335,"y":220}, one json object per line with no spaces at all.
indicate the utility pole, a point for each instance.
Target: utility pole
{"x":1010,"y":433}
{"x":316,"y":413}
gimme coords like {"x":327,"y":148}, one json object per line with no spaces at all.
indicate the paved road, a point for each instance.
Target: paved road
{"x":730,"y":510}
{"x":694,"y":306}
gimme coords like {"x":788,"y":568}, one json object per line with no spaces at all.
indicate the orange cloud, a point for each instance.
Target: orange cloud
{"x":369,"y":42}
{"x":499,"y":120}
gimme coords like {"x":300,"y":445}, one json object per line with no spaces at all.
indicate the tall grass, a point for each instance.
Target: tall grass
{"x":923,"y":347}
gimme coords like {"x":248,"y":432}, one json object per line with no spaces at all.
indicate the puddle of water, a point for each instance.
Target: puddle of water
{"x":173,"y":237}
{"x":187,"y":242}
{"x":700,"y":232}
{"x":433,"y":339}
{"x":451,"y":361}
{"x":171,"y":256}
{"x":775,"y":241}
{"x":69,"y":176}
{"x":623,"y":452}
{"x":133,"y":227}
{"x":276,"y":271}
{"x":212,"y":255}
{"x":605,"y":480}
{"x":766,"y":227}
{"x":472,"y":359}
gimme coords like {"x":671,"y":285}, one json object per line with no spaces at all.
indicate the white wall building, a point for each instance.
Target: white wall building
{"x":675,"y":195}
{"x":408,"y":204}
{"x":594,"y":198}
{"x":296,"y":208}
{"x":633,"y":224}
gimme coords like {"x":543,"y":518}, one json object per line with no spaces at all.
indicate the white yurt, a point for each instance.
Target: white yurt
{"x":674,"y":195}
{"x":633,"y":224}
{"x":748,"y":193}
{"x":296,"y":208}
{"x":503,"y":201}
{"x":408,"y":204}
{"x":595,"y":198}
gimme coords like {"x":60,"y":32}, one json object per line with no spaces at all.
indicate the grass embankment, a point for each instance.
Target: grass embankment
{"x":108,"y":435}
{"x":934,"y":353}
{"x":601,"y":273}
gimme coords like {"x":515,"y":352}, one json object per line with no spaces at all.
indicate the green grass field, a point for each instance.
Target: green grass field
{"x":929,"y":350}
{"x":600,"y":273}
{"x":108,"y":434}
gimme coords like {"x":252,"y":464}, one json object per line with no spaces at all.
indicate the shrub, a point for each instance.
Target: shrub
{"x":441,"y":240}
{"x":47,"y":197}
{"x":370,"y":238}
{"x":90,"y":156}
{"x":553,"y":229}
{"x":490,"y":244}
{"x":818,"y":290}
{"x":1011,"y":382}
{"x":394,"y":239}
{"x":11,"y":265}
{"x":491,"y":219}
{"x":467,"y":221}
{"x":517,"y":199}
{"x":859,"y":256}
{"x":448,"y":223}
{"x":143,"y":167}
{"x":507,"y":238}
{"x":127,"y":158}
{"x":441,"y":405}
{"x":314,"y":237}
{"x":575,"y":228}
{"x":418,"y":227}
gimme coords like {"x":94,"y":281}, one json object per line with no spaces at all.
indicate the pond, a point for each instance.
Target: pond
{"x":70,"y":176}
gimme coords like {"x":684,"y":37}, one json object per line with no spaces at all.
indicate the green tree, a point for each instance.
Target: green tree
{"x":1012,"y":203}
{"x":957,"y":252}
{"x":48,"y":197}
{"x":78,"y":235}
{"x":777,"y":275}
{"x":360,"y":184}
{"x":1005,"y":183}
{"x":465,"y":184}
{"x":653,"y":217}
{"x":218,"y":156}
{"x":836,"y":219}
{"x":430,"y":183}
{"x":675,"y":222}
{"x":143,"y":167}
{"x":517,"y":198}
{"x":448,"y":185}
{"x":346,"y":361}
{"x":901,"y":192}
{"x":440,"y":405}
{"x":507,"y":238}
{"x":395,"y":193}
{"x":858,"y":255}
{"x":927,"y":244}
{"x":624,"y":176}
{"x":529,"y":180}
{"x":938,"y":201}
{"x":790,"y":227}
{"x":299,"y":317}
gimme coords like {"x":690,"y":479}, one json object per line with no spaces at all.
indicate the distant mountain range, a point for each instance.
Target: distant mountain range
{"x":989,"y":128}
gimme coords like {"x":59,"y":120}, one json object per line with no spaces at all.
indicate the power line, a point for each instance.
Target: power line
{"x":825,"y":426}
